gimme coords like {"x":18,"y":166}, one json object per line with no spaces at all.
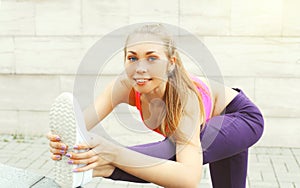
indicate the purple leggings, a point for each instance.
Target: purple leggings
{"x":225,"y":141}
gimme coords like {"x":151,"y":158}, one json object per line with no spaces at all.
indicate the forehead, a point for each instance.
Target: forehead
{"x":144,"y":42}
{"x":146,"y":46}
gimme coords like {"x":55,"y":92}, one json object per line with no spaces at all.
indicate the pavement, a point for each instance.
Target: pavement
{"x":269,"y":167}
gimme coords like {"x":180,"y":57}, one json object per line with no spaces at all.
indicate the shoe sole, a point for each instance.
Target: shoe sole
{"x":62,"y":121}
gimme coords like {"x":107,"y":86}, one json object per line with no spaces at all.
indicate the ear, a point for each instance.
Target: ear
{"x":172,"y":64}
{"x":173,"y":59}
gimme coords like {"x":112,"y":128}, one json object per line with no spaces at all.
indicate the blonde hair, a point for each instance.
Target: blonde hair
{"x":179,"y":82}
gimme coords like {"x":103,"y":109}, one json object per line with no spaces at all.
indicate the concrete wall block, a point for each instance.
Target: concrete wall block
{"x":88,"y":42}
{"x":206,"y":17}
{"x":256,"y":57}
{"x":17,"y":18}
{"x":207,"y":26}
{"x":216,"y":8}
{"x":7,"y":61}
{"x":27,"y":92}
{"x":114,"y":65}
{"x":66,"y":83}
{"x":111,"y":62}
{"x":9,"y":122}
{"x":278,"y":97}
{"x":256,"y":18}
{"x":169,"y":19}
{"x":107,"y":7}
{"x":165,"y":8}
{"x":87,"y":88}
{"x":48,"y":55}
{"x":281,"y":132}
{"x":191,"y":65}
{"x":247,"y":85}
{"x":34,"y":122}
{"x":98,"y":83}
{"x":291,"y":14}
{"x":102,"y":17}
{"x":58,"y":17}
{"x":103,"y":24}
{"x":166,"y":12}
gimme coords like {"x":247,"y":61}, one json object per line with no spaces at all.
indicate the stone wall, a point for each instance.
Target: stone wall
{"x":255,"y":43}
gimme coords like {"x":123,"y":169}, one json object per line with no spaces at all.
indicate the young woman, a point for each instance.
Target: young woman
{"x":179,"y":106}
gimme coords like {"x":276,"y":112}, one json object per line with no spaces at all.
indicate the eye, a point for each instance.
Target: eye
{"x":132,"y":58}
{"x":152,"y":58}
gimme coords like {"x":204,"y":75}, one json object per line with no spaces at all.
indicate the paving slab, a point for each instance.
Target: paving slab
{"x":19,"y":178}
{"x":29,"y":158}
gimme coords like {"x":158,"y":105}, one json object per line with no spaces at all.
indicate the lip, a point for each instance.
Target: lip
{"x":141,"y":81}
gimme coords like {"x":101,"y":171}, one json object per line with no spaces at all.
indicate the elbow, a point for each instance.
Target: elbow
{"x":192,"y":181}
{"x":185,"y":182}
{"x":195,"y":178}
{"x":190,"y":184}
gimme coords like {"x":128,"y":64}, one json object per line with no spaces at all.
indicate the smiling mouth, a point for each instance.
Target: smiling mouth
{"x":142,"y":80}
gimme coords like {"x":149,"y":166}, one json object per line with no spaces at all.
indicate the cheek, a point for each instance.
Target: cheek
{"x":130,"y":70}
{"x":159,"y":69}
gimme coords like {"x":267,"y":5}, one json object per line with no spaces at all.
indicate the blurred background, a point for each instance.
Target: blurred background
{"x":255,"y":43}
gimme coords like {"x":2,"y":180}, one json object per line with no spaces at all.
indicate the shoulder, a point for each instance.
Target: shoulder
{"x":222,"y":96}
{"x":122,"y":90}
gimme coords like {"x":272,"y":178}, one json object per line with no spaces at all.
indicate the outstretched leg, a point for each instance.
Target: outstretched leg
{"x":163,"y":149}
{"x":225,"y":142}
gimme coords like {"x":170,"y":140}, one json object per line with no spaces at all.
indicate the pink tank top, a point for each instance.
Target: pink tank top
{"x":203,"y":90}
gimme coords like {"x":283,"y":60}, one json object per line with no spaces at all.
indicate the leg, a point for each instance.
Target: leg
{"x":217,"y":143}
{"x":164,"y":149}
{"x":230,"y":172}
{"x":226,"y":139}
{"x":227,"y":135}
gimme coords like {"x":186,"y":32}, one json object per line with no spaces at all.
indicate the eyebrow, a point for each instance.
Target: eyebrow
{"x":147,"y":53}
{"x":150,"y":52}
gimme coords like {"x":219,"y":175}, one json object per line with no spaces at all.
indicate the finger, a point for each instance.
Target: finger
{"x":57,"y":151}
{"x":53,"y":137}
{"x":81,"y":147}
{"x":83,"y":161}
{"x":58,"y":145}
{"x":86,"y":168}
{"x":82,"y":155}
{"x":56,"y":157}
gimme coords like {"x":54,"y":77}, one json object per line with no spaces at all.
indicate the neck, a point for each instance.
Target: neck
{"x":156,"y":93}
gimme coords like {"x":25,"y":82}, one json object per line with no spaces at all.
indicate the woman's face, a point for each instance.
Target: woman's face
{"x":146,"y":66}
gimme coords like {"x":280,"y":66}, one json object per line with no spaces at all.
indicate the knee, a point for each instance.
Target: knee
{"x":258,"y":127}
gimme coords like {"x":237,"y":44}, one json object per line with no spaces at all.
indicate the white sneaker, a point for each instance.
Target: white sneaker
{"x":67,"y":121}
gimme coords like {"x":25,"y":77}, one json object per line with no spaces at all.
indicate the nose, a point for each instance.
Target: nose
{"x":141,"y":68}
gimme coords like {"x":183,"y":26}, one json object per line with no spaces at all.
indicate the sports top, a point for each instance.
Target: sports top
{"x":203,"y":91}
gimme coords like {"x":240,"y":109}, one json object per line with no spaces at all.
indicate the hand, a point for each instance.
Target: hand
{"x":57,"y":148}
{"x":92,"y":160}
{"x":100,"y":154}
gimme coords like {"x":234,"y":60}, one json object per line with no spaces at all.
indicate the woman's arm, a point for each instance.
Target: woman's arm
{"x":118,"y":91}
{"x":184,"y":172}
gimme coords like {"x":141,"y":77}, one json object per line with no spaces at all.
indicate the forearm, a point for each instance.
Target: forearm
{"x":159,"y":171}
{"x":90,"y":117}
{"x":164,"y":149}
